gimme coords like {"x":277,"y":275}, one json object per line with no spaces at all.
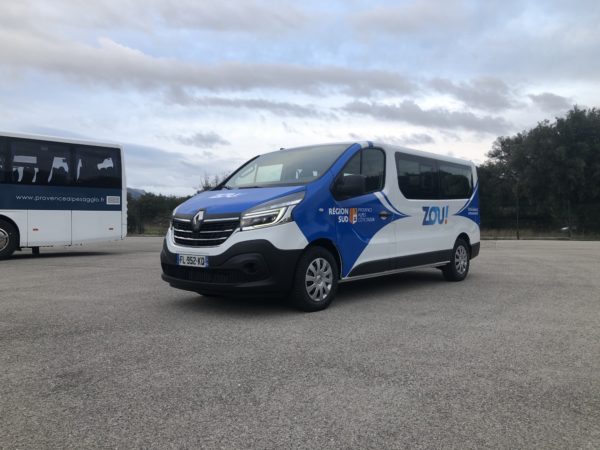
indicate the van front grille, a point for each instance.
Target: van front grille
{"x":221,"y":276}
{"x":212,"y":232}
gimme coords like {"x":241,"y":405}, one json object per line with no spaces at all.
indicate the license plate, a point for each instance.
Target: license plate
{"x":192,"y":260}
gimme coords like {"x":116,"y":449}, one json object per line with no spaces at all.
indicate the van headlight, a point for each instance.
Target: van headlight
{"x":275,"y":212}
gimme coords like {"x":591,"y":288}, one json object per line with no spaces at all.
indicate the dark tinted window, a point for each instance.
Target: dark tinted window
{"x":370,"y":163}
{"x":3,"y":161}
{"x":373,"y":167}
{"x":456,"y":181}
{"x":39,"y":162}
{"x":97,"y":166}
{"x":352,"y":167}
{"x":417,"y":177}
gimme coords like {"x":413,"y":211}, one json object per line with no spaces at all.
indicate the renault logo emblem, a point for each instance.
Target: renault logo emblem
{"x":197,"y":221}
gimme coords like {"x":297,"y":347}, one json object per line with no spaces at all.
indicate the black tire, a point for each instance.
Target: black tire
{"x":309,"y":295}
{"x":458,"y":268}
{"x":9,"y":239}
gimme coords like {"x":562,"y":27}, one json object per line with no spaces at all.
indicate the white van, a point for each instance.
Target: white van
{"x":299,"y":221}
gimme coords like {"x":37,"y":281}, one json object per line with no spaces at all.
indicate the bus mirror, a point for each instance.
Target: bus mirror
{"x":351,"y":185}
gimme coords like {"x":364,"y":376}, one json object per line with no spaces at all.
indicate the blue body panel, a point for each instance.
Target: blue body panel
{"x":234,"y":201}
{"x":471,"y":208}
{"x":320,"y":216}
{"x":352,"y":222}
{"x":59,"y":198}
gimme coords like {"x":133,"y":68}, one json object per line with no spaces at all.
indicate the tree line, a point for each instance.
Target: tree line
{"x":542,"y":180}
{"x":545,"y":179}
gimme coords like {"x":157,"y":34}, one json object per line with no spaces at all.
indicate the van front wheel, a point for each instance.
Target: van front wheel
{"x":8,"y":239}
{"x":458,"y":268}
{"x":315,"y":280}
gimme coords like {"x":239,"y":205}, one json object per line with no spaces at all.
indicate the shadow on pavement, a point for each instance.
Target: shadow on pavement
{"x":54,"y":254}
{"x":234,"y":305}
{"x":348,"y":292}
{"x":355,"y":290}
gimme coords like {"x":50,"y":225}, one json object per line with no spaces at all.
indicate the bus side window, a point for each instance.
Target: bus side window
{"x":2,"y":163}
{"x":59,"y":173}
{"x":99,"y":167}
{"x":39,"y":162}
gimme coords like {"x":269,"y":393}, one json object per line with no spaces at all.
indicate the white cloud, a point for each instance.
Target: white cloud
{"x":550,"y":102}
{"x":191,"y":76}
{"x":411,"y":113}
{"x":202,"y":140}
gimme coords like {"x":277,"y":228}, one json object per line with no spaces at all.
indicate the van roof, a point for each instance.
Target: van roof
{"x":383,"y":145}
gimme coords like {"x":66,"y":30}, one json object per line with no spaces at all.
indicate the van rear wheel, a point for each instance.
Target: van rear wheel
{"x":458,"y":267}
{"x":8,"y":239}
{"x":315,"y":280}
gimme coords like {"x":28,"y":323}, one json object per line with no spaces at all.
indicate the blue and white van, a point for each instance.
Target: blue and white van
{"x":299,"y":221}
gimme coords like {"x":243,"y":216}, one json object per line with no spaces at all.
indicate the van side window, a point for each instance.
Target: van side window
{"x":417,"y":177}
{"x":370,"y":163}
{"x":373,"y":167}
{"x":352,"y":167}
{"x":40,"y":163}
{"x":456,"y":181}
{"x":97,"y":167}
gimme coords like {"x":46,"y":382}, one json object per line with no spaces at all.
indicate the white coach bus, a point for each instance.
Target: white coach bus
{"x":59,"y":192}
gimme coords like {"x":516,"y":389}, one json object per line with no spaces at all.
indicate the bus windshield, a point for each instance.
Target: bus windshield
{"x":297,"y":166}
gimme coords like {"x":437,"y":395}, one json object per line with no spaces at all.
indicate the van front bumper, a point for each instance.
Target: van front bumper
{"x":254,"y":267}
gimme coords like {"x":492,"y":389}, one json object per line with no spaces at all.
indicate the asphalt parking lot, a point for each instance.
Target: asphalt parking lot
{"x":97,"y":351}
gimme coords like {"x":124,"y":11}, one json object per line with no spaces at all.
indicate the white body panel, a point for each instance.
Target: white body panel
{"x":97,"y":226}
{"x":48,"y":228}
{"x":285,"y":237}
{"x":381,"y":246}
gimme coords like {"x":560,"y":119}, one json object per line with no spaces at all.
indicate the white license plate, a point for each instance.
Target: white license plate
{"x":192,"y":260}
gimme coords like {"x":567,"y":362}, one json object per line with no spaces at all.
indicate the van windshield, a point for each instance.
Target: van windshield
{"x":297,"y":166}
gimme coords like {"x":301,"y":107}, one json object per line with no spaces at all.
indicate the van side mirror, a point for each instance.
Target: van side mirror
{"x":350,"y":185}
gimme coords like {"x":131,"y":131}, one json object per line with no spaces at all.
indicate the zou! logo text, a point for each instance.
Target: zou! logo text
{"x":435,"y":215}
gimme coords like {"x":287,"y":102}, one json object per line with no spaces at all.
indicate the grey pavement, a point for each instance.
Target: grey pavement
{"x":96,"y":351}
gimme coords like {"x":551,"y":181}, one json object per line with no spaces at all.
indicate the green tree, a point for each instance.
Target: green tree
{"x":553,"y":171}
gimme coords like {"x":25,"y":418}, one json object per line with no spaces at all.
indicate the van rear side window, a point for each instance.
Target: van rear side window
{"x":425,"y":179}
{"x":455,"y":181}
{"x":417,"y":177}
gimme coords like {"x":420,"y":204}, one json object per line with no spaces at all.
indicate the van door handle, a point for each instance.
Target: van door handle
{"x":384,"y":214}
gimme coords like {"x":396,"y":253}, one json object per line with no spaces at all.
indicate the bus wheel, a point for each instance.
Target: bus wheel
{"x":8,"y":239}
{"x":315,"y":281}
{"x":458,"y":268}
{"x":35,"y":251}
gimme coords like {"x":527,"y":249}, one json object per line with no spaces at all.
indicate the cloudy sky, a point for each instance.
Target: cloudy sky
{"x":198,"y":86}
